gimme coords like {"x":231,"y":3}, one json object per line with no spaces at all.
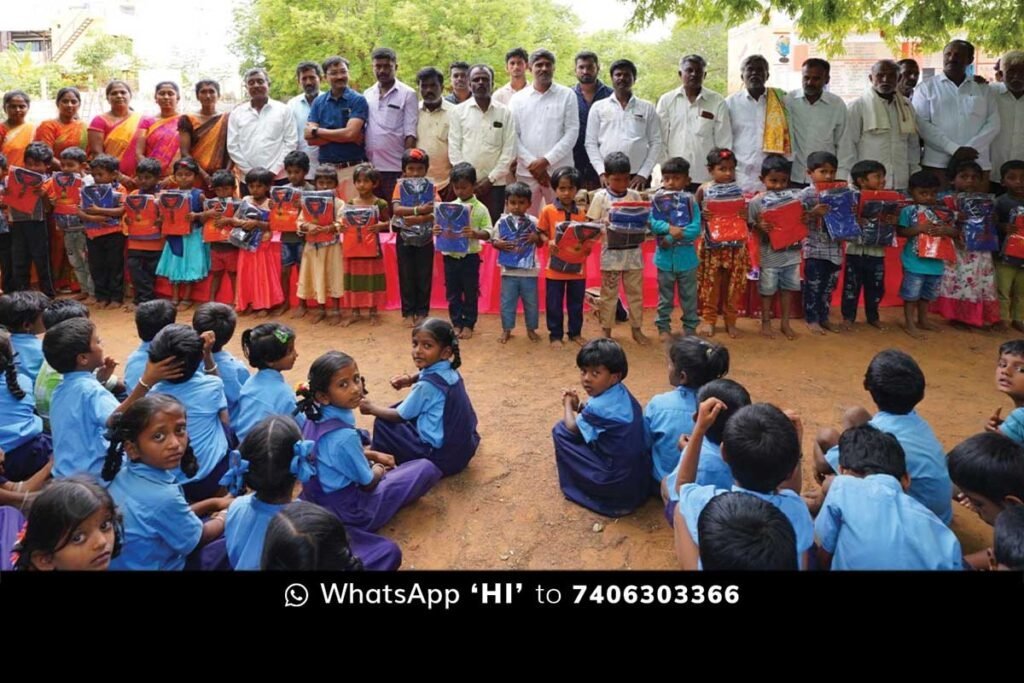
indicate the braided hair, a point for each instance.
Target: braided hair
{"x":129,"y":425}
{"x":319,"y":377}
{"x":306,"y":537}
{"x":444,"y":333}
{"x":8,"y":366}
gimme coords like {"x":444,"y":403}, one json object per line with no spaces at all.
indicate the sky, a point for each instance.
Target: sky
{"x":597,"y":15}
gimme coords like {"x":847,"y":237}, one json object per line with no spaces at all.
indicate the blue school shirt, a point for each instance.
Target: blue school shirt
{"x":265,"y":394}
{"x":677,"y":257}
{"x":1013,"y":425}
{"x":20,"y":423}
{"x":667,"y":417}
{"x":340,"y":458}
{"x":926,"y":460}
{"x":30,"y":354}
{"x":693,"y":498}
{"x":912,"y":263}
{"x":135,"y":366}
{"x":159,"y":527}
{"x":711,"y":470}
{"x":234,"y":374}
{"x":245,"y":529}
{"x":203,"y":398}
{"x":870,"y":523}
{"x":425,"y":404}
{"x":613,"y":404}
{"x":79,"y":412}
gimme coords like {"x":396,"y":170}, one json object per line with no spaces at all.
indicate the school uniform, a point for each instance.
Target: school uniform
{"x":440,"y":423}
{"x":135,"y":366}
{"x":203,"y":398}
{"x":870,"y":523}
{"x":606,"y":467}
{"x":711,"y":471}
{"x":234,"y":374}
{"x":27,"y":448}
{"x":1013,"y":425}
{"x":245,"y":529}
{"x":693,"y":498}
{"x":79,"y":412}
{"x":926,"y":460}
{"x":159,"y":528}
{"x":342,"y":471}
{"x":667,"y":417}
{"x":29,"y":348}
{"x":265,"y":394}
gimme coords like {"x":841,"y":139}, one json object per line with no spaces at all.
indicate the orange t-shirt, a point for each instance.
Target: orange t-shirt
{"x":151,"y":213}
{"x":66,"y":198}
{"x":547,"y":223}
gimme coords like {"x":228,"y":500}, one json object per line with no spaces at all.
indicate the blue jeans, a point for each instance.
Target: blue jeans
{"x":820,"y":279}
{"x":669,"y":283}
{"x":564,"y":295}
{"x":514,"y":288}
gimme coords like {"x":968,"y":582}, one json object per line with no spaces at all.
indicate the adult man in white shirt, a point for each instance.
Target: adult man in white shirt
{"x":817,"y":118}
{"x":694,"y":120}
{"x":1009,"y":95}
{"x":482,"y":133}
{"x":881,"y":126}
{"x":957,"y":117}
{"x":308,"y":74}
{"x":261,"y":131}
{"x":393,"y":115}
{"x":623,"y":123}
{"x":547,"y":123}
{"x":432,"y":128}
{"x":748,"y":113}
{"x":516,"y":61}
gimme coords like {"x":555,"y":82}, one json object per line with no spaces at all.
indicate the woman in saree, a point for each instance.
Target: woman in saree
{"x":116,"y":131}
{"x":67,"y":130}
{"x":204,"y":136}
{"x":160,"y":140}
{"x":15,"y":131}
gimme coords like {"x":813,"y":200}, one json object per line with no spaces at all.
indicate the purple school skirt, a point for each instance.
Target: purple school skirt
{"x":377,"y":553}
{"x":208,"y":486}
{"x":11,"y":521}
{"x":28,"y":458}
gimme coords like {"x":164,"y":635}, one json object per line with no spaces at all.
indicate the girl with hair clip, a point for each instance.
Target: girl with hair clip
{"x":270,"y":348}
{"x":363,"y":487}
{"x":693,"y":362}
{"x":203,"y":392}
{"x":148,"y":443}
{"x":73,"y":526}
{"x":22,"y":439}
{"x":436,"y":421}
{"x":268,"y":462}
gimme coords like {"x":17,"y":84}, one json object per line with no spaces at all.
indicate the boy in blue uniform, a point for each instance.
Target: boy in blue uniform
{"x":150,"y":318}
{"x":22,"y":314}
{"x":603,"y":461}
{"x":742,"y":533}
{"x":1010,"y":381}
{"x":762,"y":447}
{"x":868,"y":522}
{"x":81,"y":406}
{"x":1008,"y":541}
{"x":896,"y":385}
{"x":221,"y":320}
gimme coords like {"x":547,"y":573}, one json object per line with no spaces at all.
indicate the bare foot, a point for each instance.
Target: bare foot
{"x":766,"y":329}
{"x":640,"y":338}
{"x":533,"y":336}
{"x":246,"y":311}
{"x":175,"y":303}
{"x":409,"y":321}
{"x":815,"y":328}
{"x":89,"y":300}
{"x":955,"y":324}
{"x":185,"y":305}
{"x":263,"y":313}
{"x":846,"y":326}
{"x":734,"y":332}
{"x":374,"y":320}
{"x":334,"y":319}
{"x":930,"y":326}
{"x":557,"y":344}
{"x":318,"y":317}
{"x":505,"y":336}
{"x":128,"y":308}
{"x":467,"y":333}
{"x":877,"y":324}
{"x":664,"y":336}
{"x":1000,"y":326}
{"x":345,"y":322}
{"x":578,"y":340}
{"x":81,"y":296}
{"x":280,"y":310}
{"x":606,"y":332}
{"x":1017,"y":325}
{"x":299,"y":312}
{"x":826,"y":325}
{"x":788,"y":331}
{"x":910,"y":329}
{"x":706,"y":330}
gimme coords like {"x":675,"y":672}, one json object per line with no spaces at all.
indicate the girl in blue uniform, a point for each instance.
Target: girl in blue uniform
{"x":600,"y":451}
{"x":148,"y":444}
{"x":693,"y":362}
{"x":270,"y":348}
{"x":363,"y":487}
{"x":436,"y":421}
{"x":306,"y":537}
{"x":203,"y":393}
{"x":268,"y":462}
{"x":22,"y":439}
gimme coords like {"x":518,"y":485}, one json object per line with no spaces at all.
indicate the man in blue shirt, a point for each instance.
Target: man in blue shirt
{"x":337,"y":119}
{"x":589,"y":89}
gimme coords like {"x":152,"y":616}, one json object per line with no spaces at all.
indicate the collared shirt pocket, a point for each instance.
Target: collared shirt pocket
{"x":975,"y":106}
{"x":391,"y":116}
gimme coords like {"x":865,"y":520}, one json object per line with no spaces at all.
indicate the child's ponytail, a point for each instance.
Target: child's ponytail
{"x":698,"y":361}
{"x":115,"y":451}
{"x":456,"y":356}
{"x":306,"y":404}
{"x":8,"y":366}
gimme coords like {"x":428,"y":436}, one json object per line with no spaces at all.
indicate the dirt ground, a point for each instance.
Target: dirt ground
{"x":506,"y":510}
